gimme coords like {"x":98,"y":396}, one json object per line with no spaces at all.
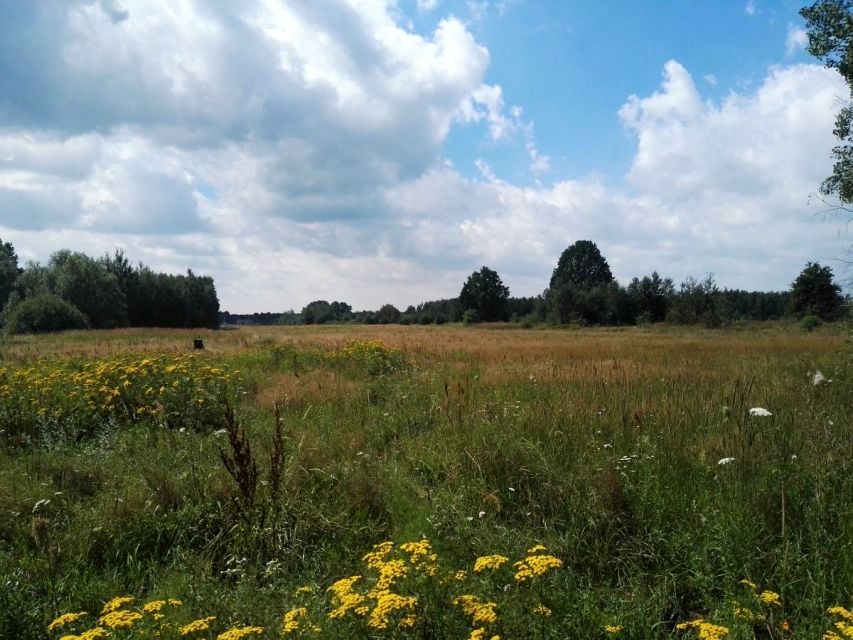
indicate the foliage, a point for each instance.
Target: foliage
{"x":44,"y":313}
{"x":58,"y":399}
{"x":697,"y":303}
{"x":829,"y":24}
{"x":322,"y":312}
{"x":815,"y":293}
{"x":487,"y":443}
{"x":485,"y":294}
{"x":388,"y":314}
{"x":582,"y":267}
{"x":651,"y":296}
{"x":86,"y":284}
{"x":9,"y":271}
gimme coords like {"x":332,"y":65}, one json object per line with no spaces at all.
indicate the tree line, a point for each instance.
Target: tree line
{"x":583,"y":291}
{"x":76,"y":291}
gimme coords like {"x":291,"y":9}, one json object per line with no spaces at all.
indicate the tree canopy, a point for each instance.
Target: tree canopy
{"x":815,"y":293}
{"x":581,"y":266}
{"x":485,"y":295}
{"x":829,"y":24}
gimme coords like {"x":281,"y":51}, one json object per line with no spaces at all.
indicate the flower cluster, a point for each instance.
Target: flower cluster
{"x":371,"y":356}
{"x":537,"y":563}
{"x":704,"y":629}
{"x":171,"y":391}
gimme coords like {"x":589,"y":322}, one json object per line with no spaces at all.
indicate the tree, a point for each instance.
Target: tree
{"x":581,"y":266}
{"x":89,"y":286}
{"x":485,"y":294}
{"x":829,"y":24}
{"x":9,"y":271}
{"x":697,"y":302}
{"x":44,"y":313}
{"x":651,"y":297}
{"x":814,"y":293}
{"x":388,"y":314}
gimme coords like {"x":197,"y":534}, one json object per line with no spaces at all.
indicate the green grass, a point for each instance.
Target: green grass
{"x":603,"y":445}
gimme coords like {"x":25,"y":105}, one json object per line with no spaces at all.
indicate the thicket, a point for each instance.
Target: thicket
{"x":106,"y":293}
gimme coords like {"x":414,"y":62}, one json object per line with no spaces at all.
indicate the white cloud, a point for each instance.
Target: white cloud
{"x":797,"y":39}
{"x":751,"y":8}
{"x":425,"y":6}
{"x":294,"y":152}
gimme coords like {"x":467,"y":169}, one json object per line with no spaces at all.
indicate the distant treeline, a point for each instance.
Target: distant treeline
{"x":75,"y":291}
{"x":582,"y":291}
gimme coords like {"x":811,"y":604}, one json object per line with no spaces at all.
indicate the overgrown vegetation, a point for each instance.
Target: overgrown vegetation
{"x":631,"y":455}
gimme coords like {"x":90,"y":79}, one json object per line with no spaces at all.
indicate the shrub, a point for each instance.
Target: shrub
{"x":43,"y":314}
{"x":811,"y":322}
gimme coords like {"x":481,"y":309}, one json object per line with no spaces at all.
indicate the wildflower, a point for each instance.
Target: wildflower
{"x":535,"y":566}
{"x":760,"y":412}
{"x":724,"y":461}
{"x":612,"y":629}
{"x":306,"y":589}
{"x":389,"y":572}
{"x":121,"y":619}
{"x":116,"y":603}
{"x":64,"y":619}
{"x":480,"y":612}
{"x":290,"y":620}
{"x":537,"y":549}
{"x":460,"y":575}
{"x":706,"y":630}
{"x":489,"y":562}
{"x":93,"y":634}
{"x":377,"y":556}
{"x":746,"y":614}
{"x":841,"y":612}
{"x":542,"y":610}
{"x":770,"y":597}
{"x":202,"y":624}
{"x":748,"y":583}
{"x":236,"y":633}
{"x":386,"y":604}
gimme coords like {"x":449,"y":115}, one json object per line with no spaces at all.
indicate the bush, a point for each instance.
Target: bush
{"x":811,"y":322}
{"x":44,"y":313}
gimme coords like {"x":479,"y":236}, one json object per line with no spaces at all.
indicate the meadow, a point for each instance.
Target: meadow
{"x":427,"y":482}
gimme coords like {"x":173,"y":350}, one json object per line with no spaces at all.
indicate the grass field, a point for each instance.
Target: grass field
{"x":525,"y":483}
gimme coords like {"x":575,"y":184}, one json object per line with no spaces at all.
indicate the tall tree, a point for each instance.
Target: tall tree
{"x":89,"y":286}
{"x":9,"y":271}
{"x":485,"y":294}
{"x":829,"y":24}
{"x":581,"y":266}
{"x":814,"y":292}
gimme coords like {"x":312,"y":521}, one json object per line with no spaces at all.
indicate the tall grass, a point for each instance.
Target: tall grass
{"x":603,"y":445}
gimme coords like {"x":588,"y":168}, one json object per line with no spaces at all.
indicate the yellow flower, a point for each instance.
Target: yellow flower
{"x":535,"y":566}
{"x":542,"y":610}
{"x":236,"y":633}
{"x":64,"y":619}
{"x":613,"y":629}
{"x":480,"y":612}
{"x":116,"y":603}
{"x":290,"y":620}
{"x":375,"y":558}
{"x":748,"y":583}
{"x":121,"y":619}
{"x":770,"y":597}
{"x":537,"y":549}
{"x":94,"y":634}
{"x":202,"y":624}
{"x":489,"y":562}
{"x":386,"y":604}
{"x":841,"y":612}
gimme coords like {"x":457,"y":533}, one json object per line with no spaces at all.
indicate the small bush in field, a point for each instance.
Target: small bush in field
{"x":45,"y":313}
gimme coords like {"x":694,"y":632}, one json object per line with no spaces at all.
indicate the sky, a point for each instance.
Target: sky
{"x":379,"y":151}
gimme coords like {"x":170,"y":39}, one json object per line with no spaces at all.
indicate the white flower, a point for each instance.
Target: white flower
{"x":759,"y":411}
{"x":481,"y":514}
{"x":818,"y":378}
{"x":726,"y":461}
{"x":220,"y":432}
{"x":607,"y":445}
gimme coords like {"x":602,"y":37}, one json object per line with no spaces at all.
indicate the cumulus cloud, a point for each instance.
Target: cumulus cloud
{"x":294,"y":151}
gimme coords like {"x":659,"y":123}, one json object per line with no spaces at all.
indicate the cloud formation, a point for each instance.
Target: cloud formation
{"x":295,"y":151}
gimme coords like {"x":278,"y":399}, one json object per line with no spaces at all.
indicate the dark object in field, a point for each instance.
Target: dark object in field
{"x":198,"y":343}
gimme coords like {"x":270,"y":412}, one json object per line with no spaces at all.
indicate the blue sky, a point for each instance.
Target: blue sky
{"x":377,"y":151}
